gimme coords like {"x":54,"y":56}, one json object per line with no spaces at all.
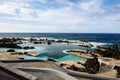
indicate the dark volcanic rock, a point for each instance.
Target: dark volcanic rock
{"x":28,"y":47}
{"x":73,"y":67}
{"x":112,"y":52}
{"x":49,"y":42}
{"x":11,"y":50}
{"x":32,"y":47}
{"x":52,"y":59}
{"x":92,"y":65}
{"x":9,"y":43}
{"x":118,"y":71}
{"x":25,"y":53}
{"x":62,"y":64}
{"x":37,"y":42}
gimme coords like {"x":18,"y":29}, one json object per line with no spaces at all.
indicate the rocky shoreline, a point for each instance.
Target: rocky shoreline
{"x":4,"y":55}
{"x":82,"y":53}
{"x":99,"y":62}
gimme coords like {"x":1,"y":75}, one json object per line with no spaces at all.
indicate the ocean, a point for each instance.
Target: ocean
{"x":92,"y":37}
{"x":55,"y":50}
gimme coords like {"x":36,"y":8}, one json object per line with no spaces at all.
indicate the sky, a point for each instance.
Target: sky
{"x":68,"y":16}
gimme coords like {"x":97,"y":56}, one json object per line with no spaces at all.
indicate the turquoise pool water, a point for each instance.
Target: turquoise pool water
{"x":65,"y":58}
{"x":55,"y":50}
{"x":71,"y":57}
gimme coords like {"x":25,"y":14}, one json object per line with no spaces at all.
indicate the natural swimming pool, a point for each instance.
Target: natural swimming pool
{"x":55,"y":50}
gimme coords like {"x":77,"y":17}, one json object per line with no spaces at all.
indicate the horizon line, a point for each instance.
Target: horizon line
{"x":66,"y":32}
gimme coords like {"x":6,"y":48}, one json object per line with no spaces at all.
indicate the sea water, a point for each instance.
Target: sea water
{"x":55,"y":50}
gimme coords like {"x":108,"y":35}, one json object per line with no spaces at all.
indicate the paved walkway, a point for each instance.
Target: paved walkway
{"x":60,"y":74}
{"x":26,"y":63}
{"x":6,"y":76}
{"x":13,"y":73}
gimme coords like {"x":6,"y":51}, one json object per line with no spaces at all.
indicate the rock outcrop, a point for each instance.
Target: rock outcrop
{"x":28,"y":47}
{"x":92,"y":65}
{"x":52,"y":59}
{"x":37,"y":42}
{"x":118,"y":71}
{"x":112,"y":52}
{"x":9,"y":43}
{"x":49,"y":42}
{"x":11,"y":50}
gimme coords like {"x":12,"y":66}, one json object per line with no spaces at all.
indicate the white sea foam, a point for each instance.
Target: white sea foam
{"x":98,"y":44}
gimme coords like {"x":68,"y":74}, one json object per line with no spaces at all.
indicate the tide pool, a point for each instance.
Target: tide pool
{"x":71,"y":57}
{"x":64,"y":58}
{"x":55,"y":50}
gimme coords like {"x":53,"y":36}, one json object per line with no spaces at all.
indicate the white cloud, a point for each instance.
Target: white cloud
{"x":10,"y":8}
{"x":92,"y":6}
{"x":7,"y":8}
{"x":112,"y":19}
{"x":73,"y":17}
{"x":29,"y":28}
{"x":16,"y":1}
{"x":118,"y":5}
{"x":43,"y":1}
{"x":25,"y":13}
{"x":62,"y":16}
{"x":87,"y":5}
{"x":62,"y":1}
